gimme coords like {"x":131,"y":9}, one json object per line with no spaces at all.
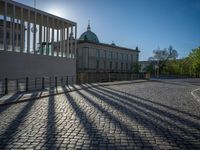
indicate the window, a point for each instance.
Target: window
{"x":103,"y":54}
{"x":104,"y":64}
{"x":115,"y":56}
{"x":122,"y":66}
{"x":126,"y":57}
{"x":108,"y":56}
{"x":110,"y":65}
{"x":97,"y":65}
{"x":121,"y":56}
{"x":116,"y":66}
{"x":131,"y":58}
{"x":126,"y":66}
{"x":97,"y":54}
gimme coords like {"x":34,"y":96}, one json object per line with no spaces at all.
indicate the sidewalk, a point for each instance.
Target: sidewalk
{"x":33,"y":95}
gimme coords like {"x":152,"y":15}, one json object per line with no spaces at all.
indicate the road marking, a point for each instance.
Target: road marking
{"x":195,"y":95}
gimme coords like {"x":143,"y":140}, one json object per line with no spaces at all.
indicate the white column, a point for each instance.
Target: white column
{"x":71,"y":41}
{"x":62,"y":30}
{"x":57,"y":49}
{"x":75,"y":41}
{"x":52,"y":38}
{"x":5,"y":27}
{"x":10,"y":34}
{"x":28,"y":33}
{"x":47,"y":37}
{"x":67,"y":42}
{"x":61,"y":50}
{"x":17,"y":33}
{"x":13,"y":29}
{"x":40,"y":33}
{"x":34,"y":33}
{"x":22,"y":31}
{"x":64,"y":38}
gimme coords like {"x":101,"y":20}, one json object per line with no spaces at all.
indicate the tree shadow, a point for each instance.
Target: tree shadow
{"x":90,"y":128}
{"x":141,"y":119}
{"x":130,"y":133}
{"x":7,"y":137}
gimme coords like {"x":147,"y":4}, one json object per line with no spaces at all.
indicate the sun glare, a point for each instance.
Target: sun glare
{"x":56,"y":12}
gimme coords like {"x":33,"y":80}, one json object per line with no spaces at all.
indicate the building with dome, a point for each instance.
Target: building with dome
{"x":94,"y":56}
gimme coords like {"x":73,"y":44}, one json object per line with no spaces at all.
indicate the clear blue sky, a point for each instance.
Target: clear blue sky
{"x":148,"y":24}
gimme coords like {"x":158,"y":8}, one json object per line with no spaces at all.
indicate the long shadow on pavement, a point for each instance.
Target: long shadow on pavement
{"x":50,"y":138}
{"x":91,"y":130}
{"x":157,"y":110}
{"x":7,"y":137}
{"x":131,"y":134}
{"x":146,"y":122}
{"x":138,"y":106}
{"x":14,"y":97}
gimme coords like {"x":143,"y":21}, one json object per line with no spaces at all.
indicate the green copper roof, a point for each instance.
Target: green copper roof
{"x":89,"y":36}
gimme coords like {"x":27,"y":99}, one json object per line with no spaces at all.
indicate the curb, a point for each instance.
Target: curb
{"x":195,"y":95}
{"x":87,"y":86}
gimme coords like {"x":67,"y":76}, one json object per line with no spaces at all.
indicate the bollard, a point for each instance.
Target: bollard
{"x":17,"y":85}
{"x":61,"y":80}
{"x":35,"y":83}
{"x":56,"y":82}
{"x":43,"y":83}
{"x":26,"y":84}
{"x":6,"y":85}
{"x":72,"y":80}
{"x":49,"y":82}
{"x":67,"y":80}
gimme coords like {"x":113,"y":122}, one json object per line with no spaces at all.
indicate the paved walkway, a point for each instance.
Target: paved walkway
{"x":145,"y":115}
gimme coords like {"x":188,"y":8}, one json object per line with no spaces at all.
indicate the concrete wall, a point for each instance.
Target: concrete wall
{"x":16,"y":65}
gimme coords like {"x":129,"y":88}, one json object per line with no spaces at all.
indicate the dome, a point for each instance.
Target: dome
{"x":89,"y":36}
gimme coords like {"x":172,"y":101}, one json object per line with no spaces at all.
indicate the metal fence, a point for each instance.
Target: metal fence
{"x":30,"y":84}
{"x":8,"y":85}
{"x":176,"y":76}
{"x":92,"y":77}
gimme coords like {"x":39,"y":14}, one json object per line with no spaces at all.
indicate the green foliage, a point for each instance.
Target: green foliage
{"x":136,"y":67}
{"x":194,"y":58}
{"x":150,"y":69}
{"x":187,"y":66}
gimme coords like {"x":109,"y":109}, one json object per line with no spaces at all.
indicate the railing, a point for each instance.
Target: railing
{"x":31,"y":84}
{"x":177,"y":76}
{"x":92,"y":77}
{"x":27,"y":84}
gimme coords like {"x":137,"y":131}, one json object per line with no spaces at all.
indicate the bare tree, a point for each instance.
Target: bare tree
{"x":161,"y":56}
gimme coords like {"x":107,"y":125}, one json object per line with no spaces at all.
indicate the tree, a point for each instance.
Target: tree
{"x":150,"y":68}
{"x":161,"y":56}
{"x":136,"y":67}
{"x":194,"y":58}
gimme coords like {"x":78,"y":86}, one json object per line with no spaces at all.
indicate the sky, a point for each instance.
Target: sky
{"x":148,"y":24}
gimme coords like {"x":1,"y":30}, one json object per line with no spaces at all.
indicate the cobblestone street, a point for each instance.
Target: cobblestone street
{"x":146,"y":115}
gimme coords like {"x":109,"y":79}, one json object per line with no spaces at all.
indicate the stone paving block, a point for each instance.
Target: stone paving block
{"x":129,"y":116}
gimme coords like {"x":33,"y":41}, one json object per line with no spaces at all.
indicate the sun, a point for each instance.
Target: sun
{"x":56,"y":12}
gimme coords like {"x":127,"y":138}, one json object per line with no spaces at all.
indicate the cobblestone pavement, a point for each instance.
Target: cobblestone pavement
{"x":148,"y":115}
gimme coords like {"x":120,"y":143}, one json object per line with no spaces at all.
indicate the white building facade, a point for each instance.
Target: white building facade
{"x":35,"y":43}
